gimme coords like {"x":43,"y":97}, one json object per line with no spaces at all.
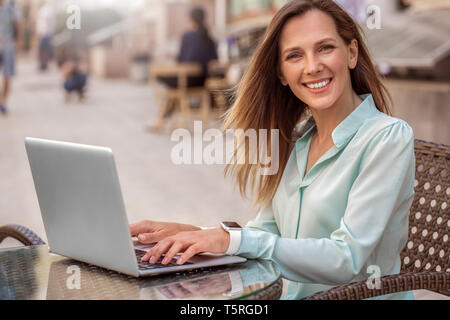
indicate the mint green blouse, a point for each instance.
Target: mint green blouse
{"x":348,"y":213}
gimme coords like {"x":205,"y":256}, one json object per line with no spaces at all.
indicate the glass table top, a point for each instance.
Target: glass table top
{"x":32,"y":273}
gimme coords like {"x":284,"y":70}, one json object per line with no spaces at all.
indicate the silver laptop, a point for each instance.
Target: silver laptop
{"x":83,"y":211}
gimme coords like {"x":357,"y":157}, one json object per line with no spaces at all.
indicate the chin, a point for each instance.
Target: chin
{"x":320,"y":103}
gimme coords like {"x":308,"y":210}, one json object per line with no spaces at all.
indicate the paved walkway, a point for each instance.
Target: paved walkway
{"x":114,"y":115}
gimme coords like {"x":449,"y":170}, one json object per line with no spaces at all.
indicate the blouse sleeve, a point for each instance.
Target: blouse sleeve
{"x":264,"y":221}
{"x":379,"y":199}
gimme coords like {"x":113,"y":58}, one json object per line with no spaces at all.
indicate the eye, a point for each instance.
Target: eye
{"x":293,"y":56}
{"x":327,"y":48}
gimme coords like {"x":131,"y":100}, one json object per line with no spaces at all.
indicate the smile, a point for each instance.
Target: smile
{"x":319,"y":86}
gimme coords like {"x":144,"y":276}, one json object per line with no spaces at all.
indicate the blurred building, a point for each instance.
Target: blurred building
{"x":411,"y":48}
{"x":415,"y":60}
{"x":422,"y":49}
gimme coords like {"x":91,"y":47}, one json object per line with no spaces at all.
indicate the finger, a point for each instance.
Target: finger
{"x":174,"y":249}
{"x":155,"y":253}
{"x":140,"y":227}
{"x":189,"y":253}
{"x":134,"y":228}
{"x":149,"y":253}
{"x":152,"y":237}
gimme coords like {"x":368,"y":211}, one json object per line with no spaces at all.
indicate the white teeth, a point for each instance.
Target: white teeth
{"x":318,"y":85}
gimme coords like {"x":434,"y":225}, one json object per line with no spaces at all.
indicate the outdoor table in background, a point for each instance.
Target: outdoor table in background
{"x":182,"y":93}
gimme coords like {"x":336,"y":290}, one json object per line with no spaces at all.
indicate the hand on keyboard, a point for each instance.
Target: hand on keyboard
{"x":144,"y":265}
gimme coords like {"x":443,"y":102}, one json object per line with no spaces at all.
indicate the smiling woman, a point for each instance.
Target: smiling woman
{"x":338,"y":206}
{"x":324,"y":218}
{"x":307,"y":44}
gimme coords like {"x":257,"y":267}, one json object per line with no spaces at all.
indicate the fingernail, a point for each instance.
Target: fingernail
{"x":152,"y":260}
{"x":180,"y":261}
{"x":165,"y":260}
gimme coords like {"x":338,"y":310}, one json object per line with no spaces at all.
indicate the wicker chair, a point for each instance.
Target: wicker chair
{"x":20,"y":233}
{"x":425,"y":259}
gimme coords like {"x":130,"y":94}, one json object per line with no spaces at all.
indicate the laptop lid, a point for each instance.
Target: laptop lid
{"x":81,"y":203}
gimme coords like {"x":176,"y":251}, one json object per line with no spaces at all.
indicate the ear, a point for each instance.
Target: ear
{"x":283,"y":80}
{"x":281,"y":77}
{"x":353,"y":54}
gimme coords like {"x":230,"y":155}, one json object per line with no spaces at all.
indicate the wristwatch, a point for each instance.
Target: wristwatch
{"x":230,"y":226}
{"x":234,"y":230}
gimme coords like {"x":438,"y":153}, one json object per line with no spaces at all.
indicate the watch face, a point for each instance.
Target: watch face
{"x":232,"y":225}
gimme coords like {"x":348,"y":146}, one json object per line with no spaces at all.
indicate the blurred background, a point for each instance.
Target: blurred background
{"x":122,"y":74}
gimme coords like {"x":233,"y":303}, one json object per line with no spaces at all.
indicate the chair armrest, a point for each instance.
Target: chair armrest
{"x":20,"y":233}
{"x":435,"y":281}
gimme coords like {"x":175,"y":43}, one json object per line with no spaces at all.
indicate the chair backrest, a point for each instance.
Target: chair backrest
{"x":428,"y":243}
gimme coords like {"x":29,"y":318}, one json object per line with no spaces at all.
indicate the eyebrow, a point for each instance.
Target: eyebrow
{"x":316,"y":44}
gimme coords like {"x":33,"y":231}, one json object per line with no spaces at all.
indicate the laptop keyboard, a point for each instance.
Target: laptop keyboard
{"x":145,"y":265}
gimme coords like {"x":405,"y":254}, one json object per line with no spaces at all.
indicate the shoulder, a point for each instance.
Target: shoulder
{"x":190,"y":35}
{"x":384,"y":127}
{"x":385,"y":135}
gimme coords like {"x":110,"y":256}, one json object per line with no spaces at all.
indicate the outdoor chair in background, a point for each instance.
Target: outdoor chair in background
{"x":222,"y":83}
{"x":219,"y":86}
{"x":181,"y":95}
{"x":425,"y":259}
{"x":220,"y":90}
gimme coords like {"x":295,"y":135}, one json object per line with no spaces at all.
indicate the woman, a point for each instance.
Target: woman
{"x":339,"y":204}
{"x":196,"y":46}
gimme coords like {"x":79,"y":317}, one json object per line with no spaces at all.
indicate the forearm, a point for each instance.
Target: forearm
{"x":323,"y":261}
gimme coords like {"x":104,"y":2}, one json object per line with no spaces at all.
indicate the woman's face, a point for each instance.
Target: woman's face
{"x":315,"y":60}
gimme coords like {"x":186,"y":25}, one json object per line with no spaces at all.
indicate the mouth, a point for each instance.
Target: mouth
{"x":318,"y":86}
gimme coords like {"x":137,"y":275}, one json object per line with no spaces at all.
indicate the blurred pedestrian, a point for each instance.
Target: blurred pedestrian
{"x":196,"y":46}
{"x":9,"y":29}
{"x":45,"y":25}
{"x":74,"y":68}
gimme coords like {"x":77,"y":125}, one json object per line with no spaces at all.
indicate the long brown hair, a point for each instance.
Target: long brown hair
{"x":262,"y":102}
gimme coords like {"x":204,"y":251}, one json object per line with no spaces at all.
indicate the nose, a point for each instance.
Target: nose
{"x":312,"y":64}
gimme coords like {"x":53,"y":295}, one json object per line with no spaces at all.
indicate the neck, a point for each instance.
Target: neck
{"x":327,"y":120}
